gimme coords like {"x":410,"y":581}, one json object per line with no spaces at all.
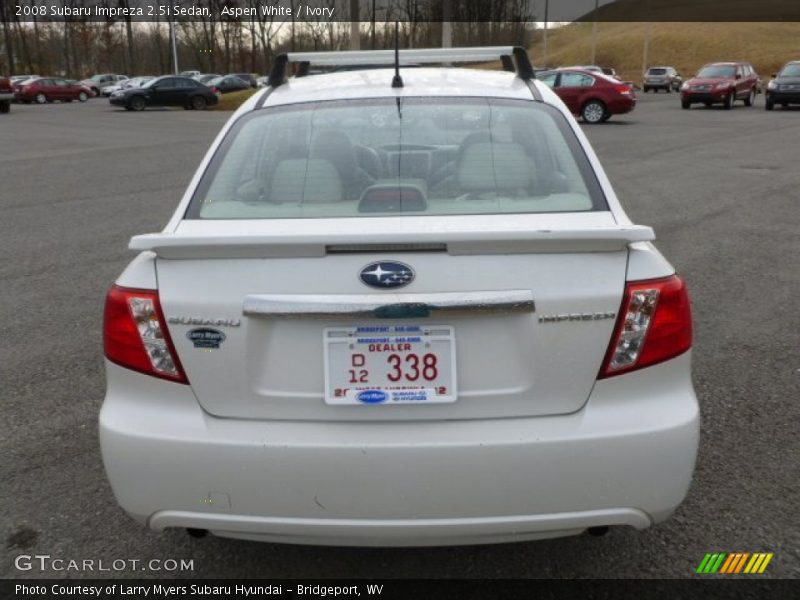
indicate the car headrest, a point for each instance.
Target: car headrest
{"x":336,"y":147}
{"x":494,"y":166}
{"x":307,"y":181}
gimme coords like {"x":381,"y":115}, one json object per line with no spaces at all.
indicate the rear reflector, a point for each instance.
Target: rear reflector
{"x":135,"y":336}
{"x":654,"y":325}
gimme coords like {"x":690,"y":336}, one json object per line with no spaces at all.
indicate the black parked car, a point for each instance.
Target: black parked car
{"x":784,"y":89}
{"x":166,"y":91}
{"x":229,"y":83}
{"x":248,"y":78}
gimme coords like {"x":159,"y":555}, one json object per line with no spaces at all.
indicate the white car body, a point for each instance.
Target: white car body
{"x":535,"y":445}
{"x":127,"y":83}
{"x":99,"y":83}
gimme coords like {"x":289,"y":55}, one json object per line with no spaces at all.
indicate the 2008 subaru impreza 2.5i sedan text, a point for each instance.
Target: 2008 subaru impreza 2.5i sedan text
{"x":399,"y":309}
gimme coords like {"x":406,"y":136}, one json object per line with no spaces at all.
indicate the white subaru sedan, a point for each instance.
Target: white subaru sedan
{"x":399,"y":307}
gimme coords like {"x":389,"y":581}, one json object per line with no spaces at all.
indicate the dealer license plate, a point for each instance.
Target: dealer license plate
{"x":390,"y":364}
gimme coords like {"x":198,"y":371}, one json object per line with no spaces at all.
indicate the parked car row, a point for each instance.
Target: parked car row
{"x":136,"y":93}
{"x":594,"y":93}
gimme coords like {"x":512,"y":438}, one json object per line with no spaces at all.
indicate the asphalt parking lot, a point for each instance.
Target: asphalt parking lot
{"x":720,"y":187}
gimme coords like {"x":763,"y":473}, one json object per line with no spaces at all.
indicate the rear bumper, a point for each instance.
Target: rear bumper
{"x":621,"y":106}
{"x":6,"y":96}
{"x":626,"y":458}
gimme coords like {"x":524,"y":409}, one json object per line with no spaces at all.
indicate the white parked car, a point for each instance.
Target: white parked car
{"x":98,"y":83}
{"x":399,"y":314}
{"x":133,"y":82}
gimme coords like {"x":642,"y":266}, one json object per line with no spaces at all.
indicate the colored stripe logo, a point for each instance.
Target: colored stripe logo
{"x":735,"y":563}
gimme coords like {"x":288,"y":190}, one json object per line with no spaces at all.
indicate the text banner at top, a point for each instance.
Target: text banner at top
{"x":410,"y":11}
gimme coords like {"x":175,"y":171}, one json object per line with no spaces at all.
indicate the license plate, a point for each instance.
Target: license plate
{"x":390,"y":364}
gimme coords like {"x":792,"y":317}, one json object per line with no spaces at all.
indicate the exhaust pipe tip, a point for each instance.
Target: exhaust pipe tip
{"x":598,"y":531}
{"x":196,"y":533}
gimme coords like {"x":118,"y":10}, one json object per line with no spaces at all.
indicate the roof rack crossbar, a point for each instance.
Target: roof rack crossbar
{"x":513,"y":58}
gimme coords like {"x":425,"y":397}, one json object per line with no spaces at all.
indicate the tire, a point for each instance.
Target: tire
{"x":83,"y":96}
{"x":751,"y":98}
{"x":645,"y":89}
{"x":669,"y":89}
{"x":769,"y":104}
{"x":137,"y":103}
{"x":686,"y":105}
{"x":199,"y":103}
{"x":5,"y":107}
{"x":41,"y":98}
{"x":730,"y":99}
{"x":593,"y":112}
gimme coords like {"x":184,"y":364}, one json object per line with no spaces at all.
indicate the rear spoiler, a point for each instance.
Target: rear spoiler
{"x":276,"y":245}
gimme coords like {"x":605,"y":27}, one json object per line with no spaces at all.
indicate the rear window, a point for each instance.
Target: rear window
{"x":392,"y":156}
{"x":657,"y":72}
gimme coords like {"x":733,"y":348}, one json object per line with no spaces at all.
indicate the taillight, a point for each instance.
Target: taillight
{"x":135,"y":334}
{"x":654,"y":325}
{"x":623,"y":89}
{"x":214,"y":90}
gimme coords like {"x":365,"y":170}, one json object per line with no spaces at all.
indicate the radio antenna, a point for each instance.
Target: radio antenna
{"x":397,"y":81}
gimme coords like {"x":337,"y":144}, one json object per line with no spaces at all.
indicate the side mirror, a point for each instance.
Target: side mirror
{"x":738,"y":76}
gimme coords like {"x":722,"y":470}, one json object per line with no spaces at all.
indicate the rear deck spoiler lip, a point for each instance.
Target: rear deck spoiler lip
{"x":590,"y":239}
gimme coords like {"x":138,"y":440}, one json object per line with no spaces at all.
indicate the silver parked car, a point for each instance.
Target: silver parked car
{"x":661,"y":78}
{"x":97,"y":83}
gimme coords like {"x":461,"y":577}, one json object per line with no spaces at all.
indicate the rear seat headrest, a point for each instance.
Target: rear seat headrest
{"x":307,"y":181}
{"x":486,"y":166}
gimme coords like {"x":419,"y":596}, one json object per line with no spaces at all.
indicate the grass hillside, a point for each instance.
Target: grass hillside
{"x":686,"y":46}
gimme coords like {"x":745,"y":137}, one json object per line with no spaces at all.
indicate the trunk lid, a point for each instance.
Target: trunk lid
{"x":530,"y":302}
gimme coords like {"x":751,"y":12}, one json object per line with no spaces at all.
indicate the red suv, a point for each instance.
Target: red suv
{"x":593,"y":96}
{"x":721,"y":83}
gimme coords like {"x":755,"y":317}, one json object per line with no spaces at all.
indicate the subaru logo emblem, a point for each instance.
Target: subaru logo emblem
{"x":386,"y":274}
